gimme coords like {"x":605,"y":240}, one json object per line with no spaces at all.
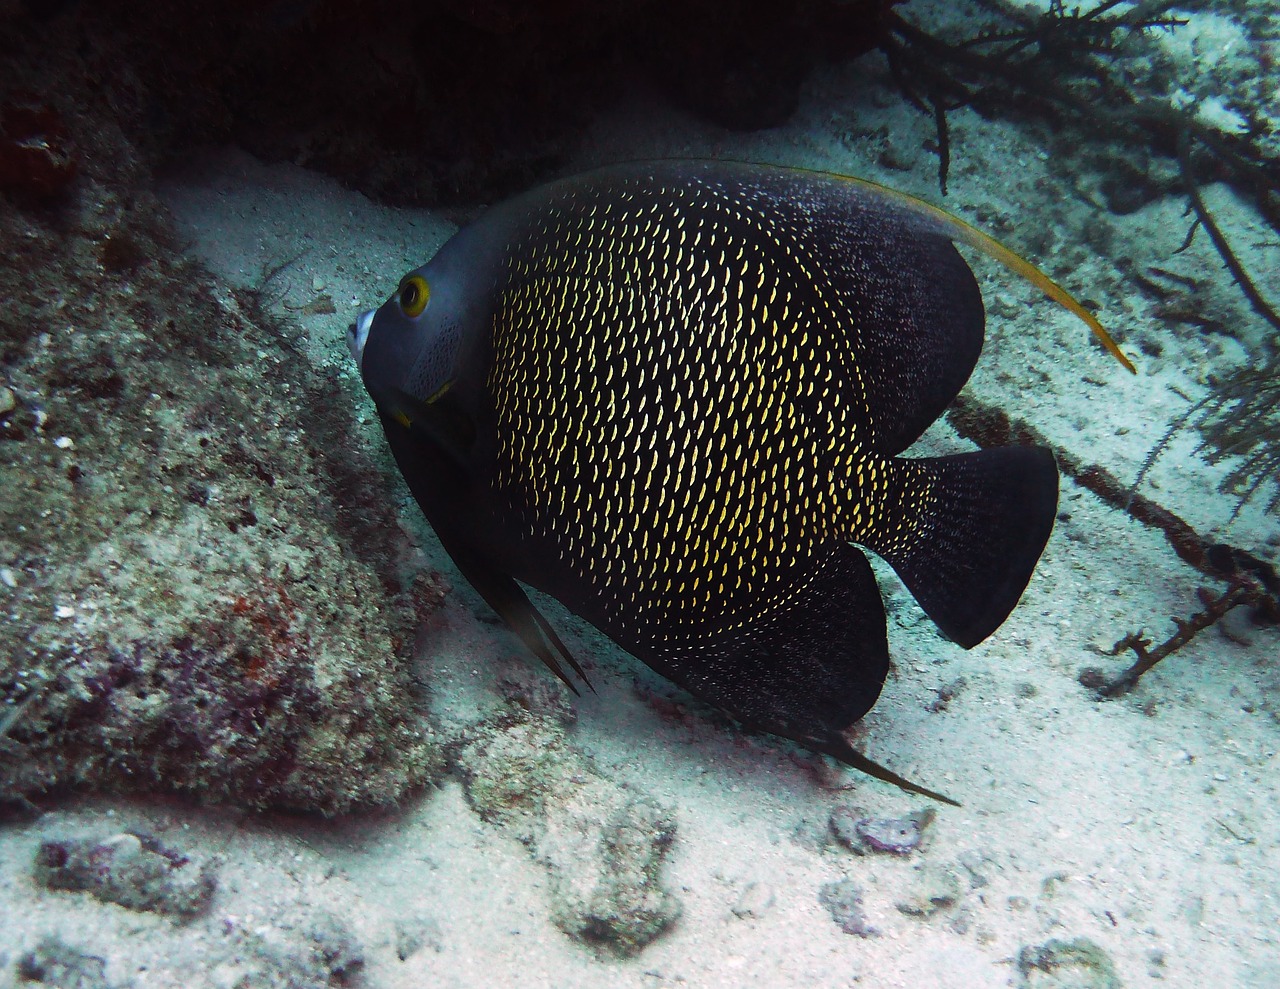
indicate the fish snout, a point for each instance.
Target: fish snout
{"x":358,"y":334}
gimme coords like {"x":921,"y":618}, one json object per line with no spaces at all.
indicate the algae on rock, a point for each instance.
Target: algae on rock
{"x":1074,"y":964}
{"x":602,"y":846}
{"x":196,"y":558}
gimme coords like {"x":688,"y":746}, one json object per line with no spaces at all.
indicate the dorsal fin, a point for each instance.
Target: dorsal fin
{"x":958,"y":229}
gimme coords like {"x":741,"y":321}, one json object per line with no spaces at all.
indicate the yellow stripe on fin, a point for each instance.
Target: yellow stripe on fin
{"x":991,"y":247}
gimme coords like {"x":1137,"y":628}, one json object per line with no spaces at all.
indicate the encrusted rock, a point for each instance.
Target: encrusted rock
{"x":602,"y":846}
{"x":312,"y":949}
{"x":55,"y":963}
{"x":540,"y":695}
{"x":934,"y":887}
{"x":135,"y":871}
{"x":206,"y":595}
{"x":1075,"y":964}
{"x":843,"y":899}
{"x":414,"y":933}
{"x":862,"y":834}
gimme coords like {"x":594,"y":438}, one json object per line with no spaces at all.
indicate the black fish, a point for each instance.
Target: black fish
{"x":671,"y":395}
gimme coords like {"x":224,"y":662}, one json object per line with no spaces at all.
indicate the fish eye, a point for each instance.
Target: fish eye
{"x":413,"y":295}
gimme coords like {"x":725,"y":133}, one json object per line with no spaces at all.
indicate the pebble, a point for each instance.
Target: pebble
{"x":58,"y":964}
{"x":1077,"y":964}
{"x":897,"y":836}
{"x":8,"y":400}
{"x":935,"y":888}
{"x":64,"y":443}
{"x":977,"y":864}
{"x":844,"y":899}
{"x":130,"y":869}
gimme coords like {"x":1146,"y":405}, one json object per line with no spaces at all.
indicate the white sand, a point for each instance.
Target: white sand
{"x":1154,"y":835}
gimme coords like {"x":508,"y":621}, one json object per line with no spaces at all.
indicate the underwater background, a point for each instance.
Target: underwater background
{"x":257,"y":731}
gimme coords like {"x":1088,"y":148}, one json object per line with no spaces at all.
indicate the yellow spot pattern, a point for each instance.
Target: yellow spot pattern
{"x":681,"y":415}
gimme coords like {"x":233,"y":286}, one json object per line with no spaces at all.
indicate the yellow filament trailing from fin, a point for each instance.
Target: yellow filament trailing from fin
{"x":439,"y":392}
{"x":991,"y":247}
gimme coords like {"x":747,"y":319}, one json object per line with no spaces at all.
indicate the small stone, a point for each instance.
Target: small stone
{"x":64,"y":611}
{"x":945,"y":695}
{"x":755,"y":901}
{"x":64,"y":443}
{"x":1077,"y":964}
{"x":133,"y":870}
{"x":936,"y":888}
{"x":897,"y":836}
{"x":1051,"y":883}
{"x":337,"y":950}
{"x":8,"y":400}
{"x":310,"y":949}
{"x":962,"y":922}
{"x":55,"y":963}
{"x":844,"y":899}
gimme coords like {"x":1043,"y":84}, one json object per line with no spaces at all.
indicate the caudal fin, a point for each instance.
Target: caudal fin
{"x":983,"y":521}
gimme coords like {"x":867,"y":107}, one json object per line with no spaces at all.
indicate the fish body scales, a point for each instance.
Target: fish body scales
{"x":642,"y":390}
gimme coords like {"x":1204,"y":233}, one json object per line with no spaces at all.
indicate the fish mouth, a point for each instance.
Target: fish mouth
{"x":358,"y":335}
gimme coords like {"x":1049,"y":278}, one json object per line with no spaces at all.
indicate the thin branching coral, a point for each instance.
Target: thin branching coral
{"x":1243,"y":421}
{"x":1068,"y":64}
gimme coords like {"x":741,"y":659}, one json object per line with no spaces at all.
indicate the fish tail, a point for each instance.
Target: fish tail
{"x":965,"y":532}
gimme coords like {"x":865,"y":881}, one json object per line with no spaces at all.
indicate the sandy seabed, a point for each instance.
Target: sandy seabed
{"x":1146,"y":825}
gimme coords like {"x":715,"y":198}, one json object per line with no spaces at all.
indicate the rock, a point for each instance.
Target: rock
{"x":55,"y":963}
{"x":222,"y":545}
{"x":945,"y":695}
{"x":537,"y":693}
{"x":333,"y":950}
{"x":844,"y":899}
{"x":1076,"y":964}
{"x":628,"y":906}
{"x":603,"y":847}
{"x":314,"y":949}
{"x":755,"y":901}
{"x":135,"y":871}
{"x":934,"y":888}
{"x":976,"y":864}
{"x":897,"y":836}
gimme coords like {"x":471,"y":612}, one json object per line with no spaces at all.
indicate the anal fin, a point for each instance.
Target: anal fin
{"x":807,"y":669}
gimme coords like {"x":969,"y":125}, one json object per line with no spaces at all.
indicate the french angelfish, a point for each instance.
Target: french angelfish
{"x":671,"y":396}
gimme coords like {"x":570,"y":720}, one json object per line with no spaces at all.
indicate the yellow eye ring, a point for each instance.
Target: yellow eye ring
{"x":413,"y":295}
